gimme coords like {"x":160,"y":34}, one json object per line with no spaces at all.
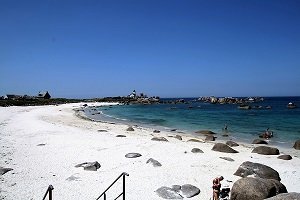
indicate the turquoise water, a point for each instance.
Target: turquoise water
{"x":243,"y":125}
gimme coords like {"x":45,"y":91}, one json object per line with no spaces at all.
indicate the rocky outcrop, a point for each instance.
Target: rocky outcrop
{"x":259,"y":141}
{"x":232,"y":143}
{"x":133,"y":155}
{"x":297,"y":145}
{"x":264,"y":150}
{"x":256,"y":188}
{"x":257,"y":170}
{"x":178,"y":192}
{"x":285,"y":157}
{"x":159,"y":139}
{"x":196,"y":150}
{"x":89,"y":166}
{"x":286,"y":196}
{"x":223,"y":148}
{"x":4,"y":170}
{"x":154,"y":163}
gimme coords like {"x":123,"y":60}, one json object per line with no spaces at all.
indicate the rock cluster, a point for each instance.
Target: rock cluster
{"x":178,"y":192}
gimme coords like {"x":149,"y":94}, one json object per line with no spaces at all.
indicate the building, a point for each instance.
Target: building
{"x":44,"y":95}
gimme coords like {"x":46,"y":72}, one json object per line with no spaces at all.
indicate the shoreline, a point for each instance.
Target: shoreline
{"x":69,"y":140}
{"x":168,"y":130}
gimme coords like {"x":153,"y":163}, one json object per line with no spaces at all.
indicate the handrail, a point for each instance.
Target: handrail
{"x":123,"y":193}
{"x":49,"y":190}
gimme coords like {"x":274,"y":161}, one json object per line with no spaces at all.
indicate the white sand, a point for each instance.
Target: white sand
{"x":71,"y":140}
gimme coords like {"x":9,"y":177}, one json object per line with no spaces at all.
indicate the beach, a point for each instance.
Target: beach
{"x":43,"y":144}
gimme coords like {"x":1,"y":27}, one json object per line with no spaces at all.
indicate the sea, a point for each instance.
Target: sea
{"x":242,"y":125}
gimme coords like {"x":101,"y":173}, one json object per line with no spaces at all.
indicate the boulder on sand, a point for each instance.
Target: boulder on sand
{"x":232,"y":143}
{"x":89,"y":166}
{"x":285,"y":157}
{"x":297,"y":145}
{"x":133,"y":155}
{"x":264,"y":150}
{"x":286,"y":196}
{"x":258,"y":170}
{"x":259,"y":141}
{"x":197,"y":150}
{"x":159,"y":139}
{"x":178,"y":192}
{"x":223,"y":148}
{"x":256,"y":188}
{"x":4,"y":170}
{"x":210,"y":138}
{"x":154,"y":163}
{"x":130,"y":129}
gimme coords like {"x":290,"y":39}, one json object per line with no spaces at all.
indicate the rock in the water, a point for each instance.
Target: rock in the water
{"x":194,"y":140}
{"x":4,"y":170}
{"x":286,"y":196}
{"x":159,"y":139}
{"x":256,"y":188}
{"x":285,"y":157}
{"x":178,"y":192}
{"x":173,"y":130}
{"x":223,"y":148}
{"x":196,"y":150}
{"x":133,"y":155}
{"x":168,"y":193}
{"x":264,"y":150}
{"x":89,"y":166}
{"x":297,"y":145}
{"x":205,"y":132}
{"x":258,"y":170}
{"x":227,"y":158}
{"x":189,"y":190}
{"x":156,"y":131}
{"x":210,"y":138}
{"x":155,"y":163}
{"x":259,"y":141}
{"x":130,"y":129}
{"x":232,"y":143}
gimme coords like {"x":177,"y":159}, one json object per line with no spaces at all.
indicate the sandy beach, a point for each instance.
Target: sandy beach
{"x":43,"y":144}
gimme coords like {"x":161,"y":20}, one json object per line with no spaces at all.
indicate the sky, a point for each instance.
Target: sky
{"x":166,"y":48}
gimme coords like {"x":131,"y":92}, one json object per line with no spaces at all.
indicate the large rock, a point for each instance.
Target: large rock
{"x":285,"y":157}
{"x":297,"y":145}
{"x":133,"y":155}
{"x":89,"y":166}
{"x":194,"y":140}
{"x":168,"y":193}
{"x":259,"y":141}
{"x":154,"y":163}
{"x":189,"y":190}
{"x":178,"y":192}
{"x":264,"y":150}
{"x":223,"y":148}
{"x":258,"y":170}
{"x":232,"y":143}
{"x":286,"y":196}
{"x":256,"y":188}
{"x":4,"y":170}
{"x":205,"y":132}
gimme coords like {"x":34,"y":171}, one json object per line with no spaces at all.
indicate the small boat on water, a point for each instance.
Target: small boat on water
{"x":291,"y":105}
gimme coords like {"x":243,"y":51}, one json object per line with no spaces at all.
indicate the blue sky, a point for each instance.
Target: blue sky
{"x":168,"y":48}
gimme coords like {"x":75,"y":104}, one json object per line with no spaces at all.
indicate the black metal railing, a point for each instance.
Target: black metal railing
{"x":122,"y":193}
{"x":49,"y":190}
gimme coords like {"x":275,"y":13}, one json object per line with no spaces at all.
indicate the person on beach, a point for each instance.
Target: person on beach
{"x":217,"y":187}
